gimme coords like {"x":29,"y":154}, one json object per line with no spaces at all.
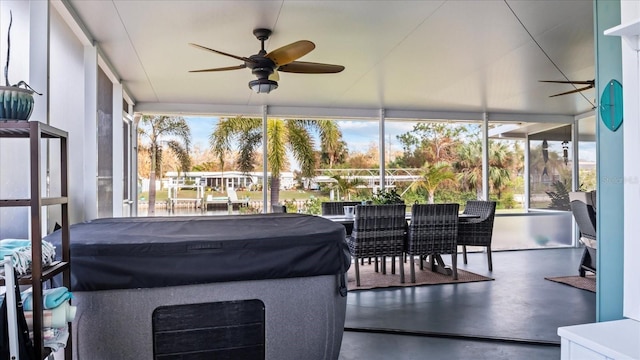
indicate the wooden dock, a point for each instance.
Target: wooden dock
{"x":184,"y":203}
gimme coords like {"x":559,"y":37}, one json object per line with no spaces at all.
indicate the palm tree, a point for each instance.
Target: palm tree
{"x":346,"y":186}
{"x":159,"y":130}
{"x":431,"y":176}
{"x":501,"y":161}
{"x":469,"y":165}
{"x":294,"y":135}
{"x":333,"y":148}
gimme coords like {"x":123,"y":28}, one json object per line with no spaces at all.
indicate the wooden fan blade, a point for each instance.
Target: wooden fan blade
{"x":275,"y":76}
{"x":241,"y":58}
{"x":586,"y":82}
{"x":220,"y":69}
{"x":573,"y":91}
{"x":289,"y":53}
{"x":310,"y":68}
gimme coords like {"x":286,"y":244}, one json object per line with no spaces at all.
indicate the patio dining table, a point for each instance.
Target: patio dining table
{"x":438,"y":263}
{"x":342,"y":219}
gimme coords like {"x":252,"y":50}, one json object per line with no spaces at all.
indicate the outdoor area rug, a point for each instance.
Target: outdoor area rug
{"x":369,"y":279}
{"x":585,"y":283}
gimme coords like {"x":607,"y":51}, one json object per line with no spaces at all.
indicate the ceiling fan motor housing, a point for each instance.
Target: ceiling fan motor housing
{"x":261,"y":66}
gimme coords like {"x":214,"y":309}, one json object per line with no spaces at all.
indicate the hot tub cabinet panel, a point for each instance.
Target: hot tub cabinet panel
{"x":304,"y":317}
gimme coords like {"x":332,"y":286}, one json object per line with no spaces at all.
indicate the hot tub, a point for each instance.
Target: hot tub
{"x":247,"y":287}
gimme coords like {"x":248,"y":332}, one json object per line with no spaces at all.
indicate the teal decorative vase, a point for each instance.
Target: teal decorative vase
{"x":15,"y":103}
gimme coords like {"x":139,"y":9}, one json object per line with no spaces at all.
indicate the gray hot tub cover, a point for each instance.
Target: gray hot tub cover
{"x":147,"y":252}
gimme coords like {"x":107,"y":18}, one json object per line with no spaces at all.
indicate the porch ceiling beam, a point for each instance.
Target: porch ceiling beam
{"x":340,"y":113}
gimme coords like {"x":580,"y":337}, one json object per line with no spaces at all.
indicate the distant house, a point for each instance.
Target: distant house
{"x":229,"y":179}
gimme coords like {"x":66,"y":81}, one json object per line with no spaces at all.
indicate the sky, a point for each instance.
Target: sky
{"x":201,"y":128}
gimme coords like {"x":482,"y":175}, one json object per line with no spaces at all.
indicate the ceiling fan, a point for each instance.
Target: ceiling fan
{"x":265,"y":65}
{"x":590,"y":85}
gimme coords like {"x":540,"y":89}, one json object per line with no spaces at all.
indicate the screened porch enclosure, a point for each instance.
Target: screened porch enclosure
{"x":531,"y":214}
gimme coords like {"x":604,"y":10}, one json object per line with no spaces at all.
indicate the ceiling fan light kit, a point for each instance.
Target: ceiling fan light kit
{"x":265,"y":65}
{"x":263,"y":86}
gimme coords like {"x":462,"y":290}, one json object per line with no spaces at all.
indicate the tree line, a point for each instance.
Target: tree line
{"x":447,"y":157}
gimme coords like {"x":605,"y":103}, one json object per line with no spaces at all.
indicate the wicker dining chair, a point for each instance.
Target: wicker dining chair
{"x":337,"y":208}
{"x":585,"y":217}
{"x":477,"y":231}
{"x":378,"y":231}
{"x":433,"y":231}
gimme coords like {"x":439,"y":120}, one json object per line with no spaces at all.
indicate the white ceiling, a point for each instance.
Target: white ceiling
{"x":433,"y":56}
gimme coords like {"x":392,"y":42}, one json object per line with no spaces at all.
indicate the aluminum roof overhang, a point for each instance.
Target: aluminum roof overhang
{"x":457,"y":60}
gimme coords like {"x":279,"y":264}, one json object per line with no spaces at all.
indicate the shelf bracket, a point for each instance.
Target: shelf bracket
{"x":630,"y":32}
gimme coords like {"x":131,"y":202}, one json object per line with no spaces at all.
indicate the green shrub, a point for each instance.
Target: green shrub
{"x":291,"y":206}
{"x":384,"y":196}
{"x":507,"y":201}
{"x":312,"y":206}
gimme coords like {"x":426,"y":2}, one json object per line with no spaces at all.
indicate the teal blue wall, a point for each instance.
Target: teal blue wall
{"x":610,"y":176}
